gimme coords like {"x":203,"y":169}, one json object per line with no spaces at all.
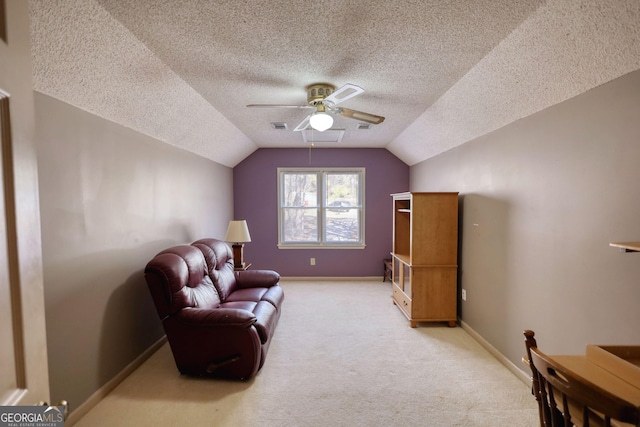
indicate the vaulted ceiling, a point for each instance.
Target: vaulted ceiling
{"x":442,"y":72}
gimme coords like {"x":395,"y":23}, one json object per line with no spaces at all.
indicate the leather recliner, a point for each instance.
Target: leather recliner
{"x":219,"y":322}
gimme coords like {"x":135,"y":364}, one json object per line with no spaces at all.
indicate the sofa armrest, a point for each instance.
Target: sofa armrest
{"x":256,"y":278}
{"x":217,"y":317}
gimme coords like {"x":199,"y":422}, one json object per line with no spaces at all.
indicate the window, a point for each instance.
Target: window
{"x":321,"y":208}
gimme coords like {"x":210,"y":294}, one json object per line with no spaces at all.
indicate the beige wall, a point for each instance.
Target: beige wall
{"x":541,"y":200}
{"x":111,"y":198}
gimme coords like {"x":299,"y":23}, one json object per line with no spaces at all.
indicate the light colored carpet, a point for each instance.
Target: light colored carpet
{"x":343,"y":355}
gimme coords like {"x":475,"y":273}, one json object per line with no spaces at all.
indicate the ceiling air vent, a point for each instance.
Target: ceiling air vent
{"x":279,"y":126}
{"x":331,"y":135}
{"x":363,"y":126}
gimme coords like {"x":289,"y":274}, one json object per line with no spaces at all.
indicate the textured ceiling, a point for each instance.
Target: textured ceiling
{"x":442,"y":72}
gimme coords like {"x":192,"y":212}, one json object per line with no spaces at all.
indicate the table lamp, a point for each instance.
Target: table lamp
{"x":238,"y":234}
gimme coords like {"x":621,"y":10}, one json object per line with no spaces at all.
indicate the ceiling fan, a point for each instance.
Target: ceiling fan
{"x":325,"y":98}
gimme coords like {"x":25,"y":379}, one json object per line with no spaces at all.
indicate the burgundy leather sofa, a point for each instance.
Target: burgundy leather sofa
{"x":219,"y":322}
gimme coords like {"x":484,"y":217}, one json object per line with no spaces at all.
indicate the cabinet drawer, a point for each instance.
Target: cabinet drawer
{"x":402,"y":299}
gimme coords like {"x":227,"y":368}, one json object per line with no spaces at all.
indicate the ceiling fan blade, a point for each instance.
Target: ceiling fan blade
{"x":347,"y":91}
{"x":303,"y":124}
{"x":277,"y":106}
{"x":359,"y":115}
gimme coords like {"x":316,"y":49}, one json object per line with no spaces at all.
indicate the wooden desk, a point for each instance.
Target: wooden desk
{"x":594,"y":373}
{"x":626,"y":246}
{"x":615,"y":369}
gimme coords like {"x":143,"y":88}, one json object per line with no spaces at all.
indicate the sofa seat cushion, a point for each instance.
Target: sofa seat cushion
{"x":266,"y":320}
{"x":266,"y":316}
{"x":274,"y":295}
{"x":249,"y":294}
{"x":241,"y":305}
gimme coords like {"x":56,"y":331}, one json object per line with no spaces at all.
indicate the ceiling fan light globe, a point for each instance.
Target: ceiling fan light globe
{"x":321,"y":121}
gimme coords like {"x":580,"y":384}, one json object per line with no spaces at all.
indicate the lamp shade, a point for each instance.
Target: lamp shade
{"x":238,"y":232}
{"x":320,"y":121}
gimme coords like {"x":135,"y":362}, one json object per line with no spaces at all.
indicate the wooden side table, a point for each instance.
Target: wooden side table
{"x":387,"y":270}
{"x":244,"y":267}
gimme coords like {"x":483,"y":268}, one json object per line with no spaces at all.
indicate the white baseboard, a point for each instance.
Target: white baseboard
{"x":495,"y":353}
{"x":331,"y":279}
{"x":98,"y":395}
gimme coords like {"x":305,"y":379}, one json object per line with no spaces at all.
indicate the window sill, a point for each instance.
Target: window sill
{"x":310,"y":246}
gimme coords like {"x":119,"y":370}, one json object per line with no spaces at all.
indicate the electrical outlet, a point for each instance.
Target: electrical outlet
{"x":464,"y":295}
{"x":312,"y":261}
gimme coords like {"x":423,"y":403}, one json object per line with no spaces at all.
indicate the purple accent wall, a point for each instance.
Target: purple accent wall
{"x":255,"y":192}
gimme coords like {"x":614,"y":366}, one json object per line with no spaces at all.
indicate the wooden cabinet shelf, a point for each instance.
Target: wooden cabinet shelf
{"x":425,"y":255}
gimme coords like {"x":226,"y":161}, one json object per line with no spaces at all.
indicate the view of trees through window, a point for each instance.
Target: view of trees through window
{"x":321,"y":206}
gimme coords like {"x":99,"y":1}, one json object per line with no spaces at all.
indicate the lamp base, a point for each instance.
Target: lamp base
{"x":238,"y":261}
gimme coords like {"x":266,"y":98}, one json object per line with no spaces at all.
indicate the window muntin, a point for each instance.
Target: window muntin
{"x":321,"y":207}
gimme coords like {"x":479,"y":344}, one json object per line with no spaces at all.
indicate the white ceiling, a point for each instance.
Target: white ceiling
{"x":442,"y":72}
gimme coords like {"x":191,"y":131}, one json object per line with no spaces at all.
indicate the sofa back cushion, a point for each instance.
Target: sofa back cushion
{"x":177,"y":278}
{"x":219,"y":259}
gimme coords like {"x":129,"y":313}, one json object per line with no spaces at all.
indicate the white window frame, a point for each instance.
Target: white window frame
{"x":321,"y":209}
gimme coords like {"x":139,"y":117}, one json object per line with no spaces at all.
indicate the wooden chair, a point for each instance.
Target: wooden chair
{"x":566,"y":399}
